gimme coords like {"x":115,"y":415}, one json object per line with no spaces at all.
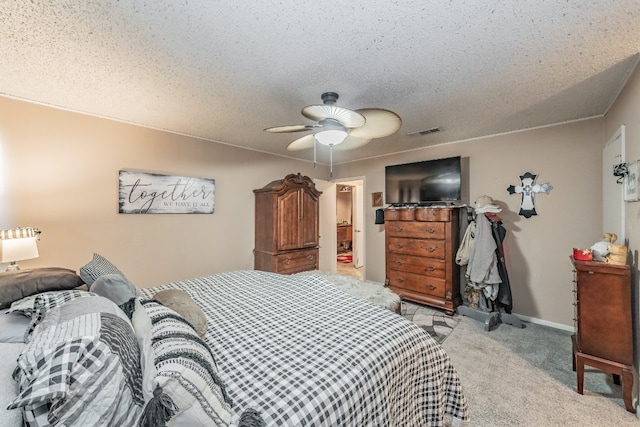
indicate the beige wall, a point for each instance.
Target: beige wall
{"x":537,"y":249}
{"x":59,"y":172}
{"x":343,"y":206}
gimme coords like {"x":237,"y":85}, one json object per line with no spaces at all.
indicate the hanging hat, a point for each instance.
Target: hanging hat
{"x":486,"y":204}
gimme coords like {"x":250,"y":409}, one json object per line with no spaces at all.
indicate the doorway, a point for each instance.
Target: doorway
{"x":349,"y":226}
{"x":329,"y":222}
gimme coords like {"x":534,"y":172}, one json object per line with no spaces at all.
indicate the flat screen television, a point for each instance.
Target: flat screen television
{"x":424,"y":183}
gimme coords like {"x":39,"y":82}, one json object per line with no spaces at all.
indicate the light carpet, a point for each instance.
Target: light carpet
{"x":524,"y":377}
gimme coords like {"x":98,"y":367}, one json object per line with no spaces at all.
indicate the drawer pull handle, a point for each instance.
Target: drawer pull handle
{"x":430,"y":268}
{"x":591,"y":272}
{"x":431,"y":249}
{"x":399,"y":263}
{"x":431,"y":230}
{"x":399,"y":229}
{"x":400,"y":280}
{"x":399,"y":245}
{"x":431,"y":288}
{"x":287,"y":261}
{"x":309,"y":257}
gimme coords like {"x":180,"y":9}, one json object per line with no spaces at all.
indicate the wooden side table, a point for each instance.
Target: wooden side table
{"x":604,"y":338}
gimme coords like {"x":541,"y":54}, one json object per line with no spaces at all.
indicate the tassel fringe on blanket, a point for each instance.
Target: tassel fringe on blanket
{"x":251,"y":418}
{"x":158,"y":411}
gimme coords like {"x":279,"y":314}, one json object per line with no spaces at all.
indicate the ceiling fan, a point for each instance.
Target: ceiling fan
{"x":340,"y":128}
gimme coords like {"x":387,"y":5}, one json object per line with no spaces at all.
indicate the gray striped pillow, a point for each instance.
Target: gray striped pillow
{"x":98,"y":266}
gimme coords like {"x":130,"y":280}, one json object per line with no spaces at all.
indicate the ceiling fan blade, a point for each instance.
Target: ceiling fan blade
{"x":303,"y":143}
{"x":380,"y":123}
{"x":347,"y":118}
{"x":291,"y":128}
{"x":351,"y":142}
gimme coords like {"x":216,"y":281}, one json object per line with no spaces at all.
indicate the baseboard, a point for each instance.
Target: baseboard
{"x":545,"y":323}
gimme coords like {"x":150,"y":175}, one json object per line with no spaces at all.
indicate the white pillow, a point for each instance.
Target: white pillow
{"x":142,"y":327}
{"x":13,"y":327}
{"x":9,"y":390}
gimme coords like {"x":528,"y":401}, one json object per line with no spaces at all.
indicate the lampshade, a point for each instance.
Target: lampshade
{"x":18,"y":244}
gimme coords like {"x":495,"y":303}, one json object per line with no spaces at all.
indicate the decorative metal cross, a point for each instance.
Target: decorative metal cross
{"x":528,"y":189}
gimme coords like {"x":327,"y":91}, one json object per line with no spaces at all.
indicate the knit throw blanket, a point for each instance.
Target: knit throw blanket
{"x":373,"y":292}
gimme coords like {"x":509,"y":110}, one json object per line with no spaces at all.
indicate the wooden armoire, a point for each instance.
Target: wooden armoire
{"x":287,"y":225}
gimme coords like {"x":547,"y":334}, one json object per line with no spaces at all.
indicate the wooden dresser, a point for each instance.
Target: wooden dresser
{"x":287,"y":212}
{"x":421,"y":245}
{"x":604,"y":335}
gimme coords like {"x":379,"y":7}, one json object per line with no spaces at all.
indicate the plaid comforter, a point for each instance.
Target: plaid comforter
{"x":304,"y":353}
{"x":81,"y":365}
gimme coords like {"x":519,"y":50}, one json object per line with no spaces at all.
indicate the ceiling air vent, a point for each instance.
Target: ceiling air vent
{"x":424,"y":132}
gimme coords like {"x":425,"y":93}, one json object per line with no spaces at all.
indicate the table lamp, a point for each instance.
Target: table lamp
{"x":18,"y":244}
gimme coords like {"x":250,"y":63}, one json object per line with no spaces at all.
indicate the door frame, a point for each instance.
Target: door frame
{"x":333,"y":220}
{"x":327,"y":224}
{"x":357,"y":220}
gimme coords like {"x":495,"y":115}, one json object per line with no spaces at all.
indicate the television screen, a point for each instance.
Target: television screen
{"x":426,"y":182}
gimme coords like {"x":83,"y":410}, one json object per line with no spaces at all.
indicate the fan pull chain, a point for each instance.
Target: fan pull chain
{"x":314,"y":152}
{"x":331,"y":161}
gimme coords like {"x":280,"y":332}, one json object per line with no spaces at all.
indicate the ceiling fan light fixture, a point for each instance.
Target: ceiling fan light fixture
{"x":340,"y":128}
{"x":332,"y":132}
{"x":331,"y":136}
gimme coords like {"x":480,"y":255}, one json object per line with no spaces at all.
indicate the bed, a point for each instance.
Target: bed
{"x":298,"y":351}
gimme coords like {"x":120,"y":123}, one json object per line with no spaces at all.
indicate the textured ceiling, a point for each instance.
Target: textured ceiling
{"x":225,"y":70}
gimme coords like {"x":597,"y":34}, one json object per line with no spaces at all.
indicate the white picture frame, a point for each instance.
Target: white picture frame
{"x":631,"y":182}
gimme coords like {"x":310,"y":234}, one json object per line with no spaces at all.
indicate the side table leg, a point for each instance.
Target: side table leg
{"x":573,"y":353}
{"x":580,"y":373}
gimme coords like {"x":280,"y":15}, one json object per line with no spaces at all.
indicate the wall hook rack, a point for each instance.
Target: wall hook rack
{"x":620,"y":170}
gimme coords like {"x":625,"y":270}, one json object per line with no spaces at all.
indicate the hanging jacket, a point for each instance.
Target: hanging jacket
{"x":504,"y":298}
{"x":482,"y":269}
{"x":464,"y":250}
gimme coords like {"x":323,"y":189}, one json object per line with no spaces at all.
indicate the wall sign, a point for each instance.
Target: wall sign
{"x":150,"y":193}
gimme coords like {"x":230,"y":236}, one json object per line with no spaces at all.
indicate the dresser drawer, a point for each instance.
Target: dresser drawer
{"x":431,"y":267}
{"x":294,"y":262}
{"x":426,"y":248}
{"x":418,"y":283}
{"x":399,"y":214}
{"x":419,"y":230}
{"x":426,"y":214}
